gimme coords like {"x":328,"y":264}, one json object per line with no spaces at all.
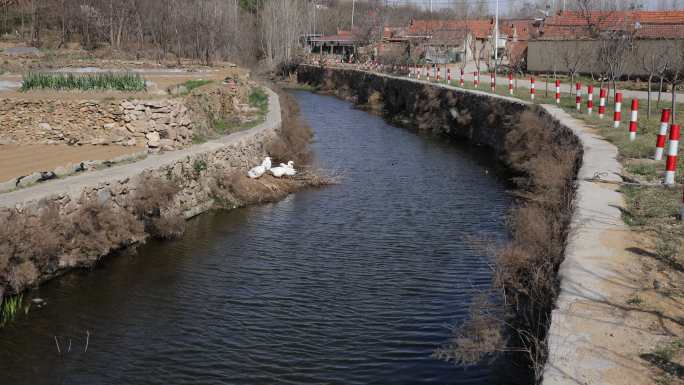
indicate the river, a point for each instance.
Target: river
{"x":356,"y":283}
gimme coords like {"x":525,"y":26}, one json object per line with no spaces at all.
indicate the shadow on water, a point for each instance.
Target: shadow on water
{"x":351,"y":284}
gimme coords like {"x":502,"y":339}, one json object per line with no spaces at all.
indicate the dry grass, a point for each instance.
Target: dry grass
{"x":546,"y":162}
{"x":292,"y":143}
{"x":38,"y":243}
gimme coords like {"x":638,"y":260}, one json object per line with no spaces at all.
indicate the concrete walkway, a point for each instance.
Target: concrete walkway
{"x":74,"y":185}
{"x":595,"y":337}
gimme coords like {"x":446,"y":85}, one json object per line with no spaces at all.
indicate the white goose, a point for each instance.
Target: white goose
{"x":260,"y":170}
{"x":267,"y":163}
{"x":289,"y":168}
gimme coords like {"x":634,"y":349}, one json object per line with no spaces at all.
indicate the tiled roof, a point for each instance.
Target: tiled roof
{"x":481,"y":29}
{"x":645,"y":24}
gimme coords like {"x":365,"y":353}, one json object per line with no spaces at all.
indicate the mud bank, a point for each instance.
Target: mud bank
{"x":544,"y":155}
{"x":74,"y":222}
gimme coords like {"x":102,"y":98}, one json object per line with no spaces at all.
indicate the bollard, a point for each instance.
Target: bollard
{"x":672,"y":148}
{"x":438,"y":74}
{"x":558,"y":94}
{"x":660,"y":141}
{"x":590,"y":99}
{"x":578,"y":96}
{"x":492,"y":81}
{"x":617,"y":116}
{"x":449,"y":76}
{"x":633,"y":120}
{"x":462,"y":80}
{"x":510,"y":83}
{"x":427,"y":73}
{"x":532,"y":88}
{"x":476,"y":79}
{"x":602,"y":102}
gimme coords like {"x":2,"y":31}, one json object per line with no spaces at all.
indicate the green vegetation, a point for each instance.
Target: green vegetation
{"x":259,"y":99}
{"x":192,"y":84}
{"x":199,"y":166}
{"x":85,"y":82}
{"x":10,"y":309}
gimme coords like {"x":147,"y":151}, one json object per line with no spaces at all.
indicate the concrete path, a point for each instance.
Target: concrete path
{"x":595,"y":337}
{"x":73,"y":185}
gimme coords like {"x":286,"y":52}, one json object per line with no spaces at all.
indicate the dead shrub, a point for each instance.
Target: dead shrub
{"x":22,"y":275}
{"x":292,"y":143}
{"x":545,"y":158}
{"x":152,"y":203}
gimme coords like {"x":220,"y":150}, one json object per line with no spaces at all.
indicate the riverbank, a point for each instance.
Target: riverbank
{"x":592,"y":338}
{"x":50,"y":228}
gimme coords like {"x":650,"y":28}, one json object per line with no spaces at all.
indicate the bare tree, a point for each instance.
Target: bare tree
{"x":654,"y":65}
{"x":574,"y":58}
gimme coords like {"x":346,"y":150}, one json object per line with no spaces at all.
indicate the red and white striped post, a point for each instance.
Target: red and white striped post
{"x":449,"y":76}
{"x":492,"y":81}
{"x":578,"y":96}
{"x":633,"y":120}
{"x":617,"y":116}
{"x":590,"y":99}
{"x":602,"y":102}
{"x":672,"y":148}
{"x":462,"y":80}
{"x":439,"y":73}
{"x":476,"y":79}
{"x":510,"y":83}
{"x":558,"y":94}
{"x":662,"y":133}
{"x":533,"y":88}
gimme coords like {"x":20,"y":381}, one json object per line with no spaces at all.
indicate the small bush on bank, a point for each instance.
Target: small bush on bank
{"x":84,"y":82}
{"x":292,"y":143}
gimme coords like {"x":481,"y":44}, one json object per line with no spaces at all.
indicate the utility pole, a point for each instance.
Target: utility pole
{"x":353,"y":9}
{"x":496,"y":34}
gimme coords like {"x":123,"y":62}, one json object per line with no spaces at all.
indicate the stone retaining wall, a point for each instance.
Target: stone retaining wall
{"x":84,"y":217}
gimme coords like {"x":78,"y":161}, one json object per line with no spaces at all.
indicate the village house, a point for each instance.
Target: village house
{"x":573,"y":39}
{"x":458,"y":41}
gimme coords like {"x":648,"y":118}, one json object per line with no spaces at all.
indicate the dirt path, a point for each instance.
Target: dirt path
{"x":19,"y":160}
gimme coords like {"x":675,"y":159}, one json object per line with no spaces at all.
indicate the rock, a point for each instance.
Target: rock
{"x":153,"y":139}
{"x":103,"y":196}
{"x":126,"y":105}
{"x":8,"y":186}
{"x":28,"y":180}
{"x":100,"y":141}
{"x":167,"y":144}
{"x":63,"y":171}
{"x":130,"y":142}
{"x":45,"y":126}
{"x":47,"y":175}
{"x":109,"y":126}
{"x":37,"y":301}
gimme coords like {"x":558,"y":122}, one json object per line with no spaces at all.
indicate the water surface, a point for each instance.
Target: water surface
{"x":350,"y":284}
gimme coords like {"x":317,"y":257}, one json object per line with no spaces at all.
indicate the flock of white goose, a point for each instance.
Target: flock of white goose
{"x":278,"y":172}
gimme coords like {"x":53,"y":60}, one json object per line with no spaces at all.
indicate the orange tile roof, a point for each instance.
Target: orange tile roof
{"x":481,"y":29}
{"x":645,"y":24}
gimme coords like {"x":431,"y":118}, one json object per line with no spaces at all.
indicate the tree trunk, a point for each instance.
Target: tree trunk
{"x":660,"y":93}
{"x":674,"y":101}
{"x":648,"y":102}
